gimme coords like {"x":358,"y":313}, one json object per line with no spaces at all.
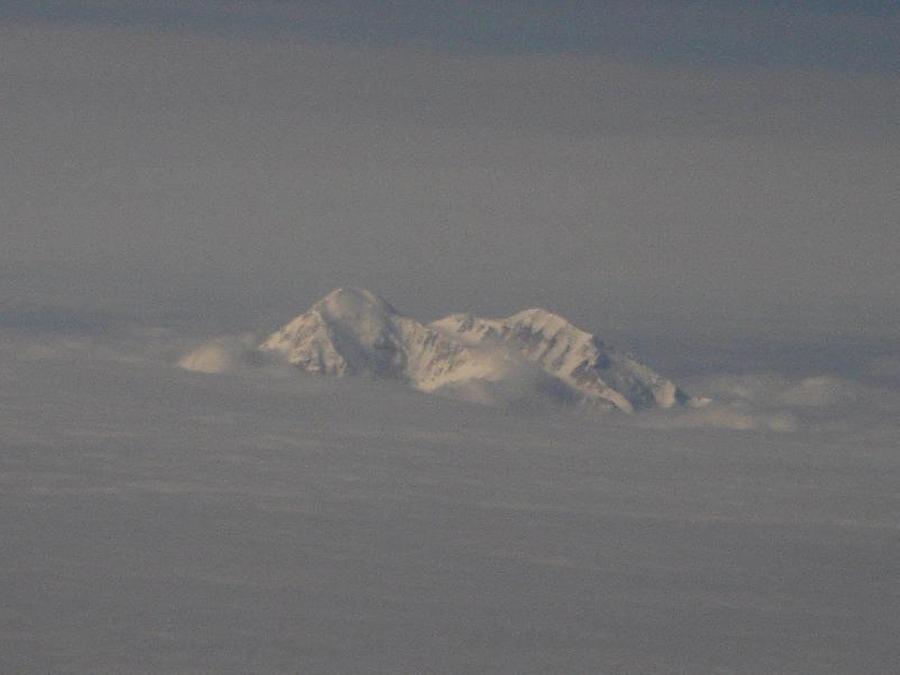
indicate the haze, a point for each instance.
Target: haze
{"x":162,"y":156}
{"x":714,"y":185}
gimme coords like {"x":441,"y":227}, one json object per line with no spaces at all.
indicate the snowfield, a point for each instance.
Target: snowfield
{"x":156,"y":520}
{"x":352,"y":331}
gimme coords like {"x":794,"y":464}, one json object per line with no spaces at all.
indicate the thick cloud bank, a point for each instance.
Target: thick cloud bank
{"x":745,"y":402}
{"x":156,"y":520}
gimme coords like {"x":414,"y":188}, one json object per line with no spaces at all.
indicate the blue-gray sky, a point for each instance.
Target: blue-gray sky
{"x":657,"y":167}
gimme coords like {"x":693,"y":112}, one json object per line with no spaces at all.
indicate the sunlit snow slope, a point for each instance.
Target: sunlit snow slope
{"x":353,"y":331}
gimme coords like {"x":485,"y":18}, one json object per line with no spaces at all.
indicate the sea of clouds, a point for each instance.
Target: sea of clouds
{"x":172,"y":503}
{"x":738,"y":400}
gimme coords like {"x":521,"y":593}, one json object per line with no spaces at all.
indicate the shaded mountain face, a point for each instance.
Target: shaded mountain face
{"x":534,"y":354}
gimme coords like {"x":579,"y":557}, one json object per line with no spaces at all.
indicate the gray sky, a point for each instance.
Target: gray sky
{"x":643,"y":167}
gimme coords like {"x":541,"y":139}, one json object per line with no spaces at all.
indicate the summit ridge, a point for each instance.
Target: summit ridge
{"x":353,"y":331}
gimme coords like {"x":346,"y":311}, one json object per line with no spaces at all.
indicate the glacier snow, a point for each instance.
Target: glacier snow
{"x":354,"y":332}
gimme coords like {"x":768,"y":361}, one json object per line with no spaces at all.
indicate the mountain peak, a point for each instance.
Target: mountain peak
{"x":350,"y":302}
{"x":353,"y":331}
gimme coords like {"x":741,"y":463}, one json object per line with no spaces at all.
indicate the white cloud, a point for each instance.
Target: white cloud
{"x":212,"y":357}
{"x":776,"y":402}
{"x":772,"y":389}
{"x":723,"y":416}
{"x":227,"y":354}
{"x":820,"y":391}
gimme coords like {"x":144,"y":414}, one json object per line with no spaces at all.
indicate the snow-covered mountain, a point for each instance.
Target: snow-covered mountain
{"x":533,"y":353}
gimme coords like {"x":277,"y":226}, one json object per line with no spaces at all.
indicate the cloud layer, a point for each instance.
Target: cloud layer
{"x":741,"y":402}
{"x":789,"y":403}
